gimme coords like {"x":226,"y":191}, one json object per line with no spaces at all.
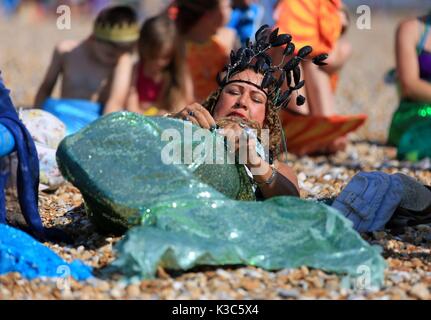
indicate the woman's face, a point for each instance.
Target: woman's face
{"x":160,"y":60}
{"x":217,"y":18}
{"x":239,"y":99}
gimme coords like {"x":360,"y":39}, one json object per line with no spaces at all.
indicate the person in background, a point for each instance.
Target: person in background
{"x":246,"y":18}
{"x":413,"y":59}
{"x":208,"y":43}
{"x":96,"y":72}
{"x":161,"y":81}
{"x":321,"y":24}
{"x":268,"y":11}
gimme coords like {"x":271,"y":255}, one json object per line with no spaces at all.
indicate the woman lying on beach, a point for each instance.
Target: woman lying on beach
{"x":413,"y":54}
{"x":245,"y":104}
{"x":243,"y":100}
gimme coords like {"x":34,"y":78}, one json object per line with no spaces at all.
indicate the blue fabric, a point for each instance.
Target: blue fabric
{"x":268,"y":14}
{"x":246,"y":21}
{"x":21,"y":253}
{"x":28,"y":166}
{"x":369,"y":200}
{"x":7,"y":142}
{"x":10,"y":6}
{"x":74,"y":113}
{"x":424,"y":35}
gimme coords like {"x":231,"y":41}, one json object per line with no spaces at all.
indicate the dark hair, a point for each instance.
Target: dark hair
{"x":190,"y":11}
{"x":116,"y":15}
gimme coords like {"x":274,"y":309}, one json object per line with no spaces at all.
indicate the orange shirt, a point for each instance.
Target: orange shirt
{"x":204,"y":62}
{"x":310,"y":22}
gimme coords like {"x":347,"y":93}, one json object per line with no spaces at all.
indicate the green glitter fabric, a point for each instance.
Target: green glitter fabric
{"x":408,"y":114}
{"x":191,"y":215}
{"x":415,"y":143}
{"x":116,"y":164}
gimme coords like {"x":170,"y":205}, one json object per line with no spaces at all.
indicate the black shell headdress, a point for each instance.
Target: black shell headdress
{"x":255,"y":56}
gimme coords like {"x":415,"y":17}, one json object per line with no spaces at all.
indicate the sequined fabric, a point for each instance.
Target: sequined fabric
{"x":116,"y":163}
{"x":408,"y":114}
{"x":188,"y":215}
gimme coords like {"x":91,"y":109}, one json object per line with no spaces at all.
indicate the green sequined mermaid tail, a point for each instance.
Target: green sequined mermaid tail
{"x":415,"y":143}
{"x":189,"y":215}
{"x":408,"y":114}
{"x":116,"y":164}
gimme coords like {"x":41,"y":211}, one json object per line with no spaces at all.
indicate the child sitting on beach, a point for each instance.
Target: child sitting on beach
{"x":413,"y":116}
{"x":321,"y":24}
{"x":161,"y":81}
{"x":96,"y":73}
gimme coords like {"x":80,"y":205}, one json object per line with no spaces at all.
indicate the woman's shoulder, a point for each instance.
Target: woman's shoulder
{"x":226,"y":37}
{"x":409,"y":29}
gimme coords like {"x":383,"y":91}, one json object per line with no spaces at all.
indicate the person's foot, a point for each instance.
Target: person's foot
{"x":338,"y":144}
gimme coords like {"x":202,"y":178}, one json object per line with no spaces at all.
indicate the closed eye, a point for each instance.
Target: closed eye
{"x":233,"y":92}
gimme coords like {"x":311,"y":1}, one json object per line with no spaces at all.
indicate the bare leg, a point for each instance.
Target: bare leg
{"x":338,"y":57}
{"x":319,"y":92}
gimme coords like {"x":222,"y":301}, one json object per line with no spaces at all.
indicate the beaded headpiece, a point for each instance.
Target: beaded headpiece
{"x":255,"y":56}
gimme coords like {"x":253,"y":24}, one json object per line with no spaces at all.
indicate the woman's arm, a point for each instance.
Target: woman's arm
{"x":281,"y":182}
{"x":412,"y":86}
{"x":276,"y":180}
{"x":120,"y":85}
{"x":132,"y":103}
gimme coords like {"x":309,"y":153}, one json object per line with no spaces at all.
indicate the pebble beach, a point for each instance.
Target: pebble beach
{"x":26,"y":51}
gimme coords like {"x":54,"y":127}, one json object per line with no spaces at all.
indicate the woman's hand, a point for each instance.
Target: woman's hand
{"x":273,"y":180}
{"x":235,"y":135}
{"x":198,"y":115}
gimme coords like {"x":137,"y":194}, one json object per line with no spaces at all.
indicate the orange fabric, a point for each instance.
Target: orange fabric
{"x":205,"y":61}
{"x":308,"y":134}
{"x":310,"y":22}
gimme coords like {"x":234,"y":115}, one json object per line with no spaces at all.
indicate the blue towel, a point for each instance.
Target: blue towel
{"x":21,"y":253}
{"x":28,"y":166}
{"x":7,"y":142}
{"x":74,"y":113}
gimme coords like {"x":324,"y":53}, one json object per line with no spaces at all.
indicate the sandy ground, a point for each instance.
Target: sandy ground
{"x":25,"y":52}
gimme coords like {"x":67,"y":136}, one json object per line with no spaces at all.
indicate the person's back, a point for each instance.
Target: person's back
{"x":99,"y":68}
{"x":82,"y":77}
